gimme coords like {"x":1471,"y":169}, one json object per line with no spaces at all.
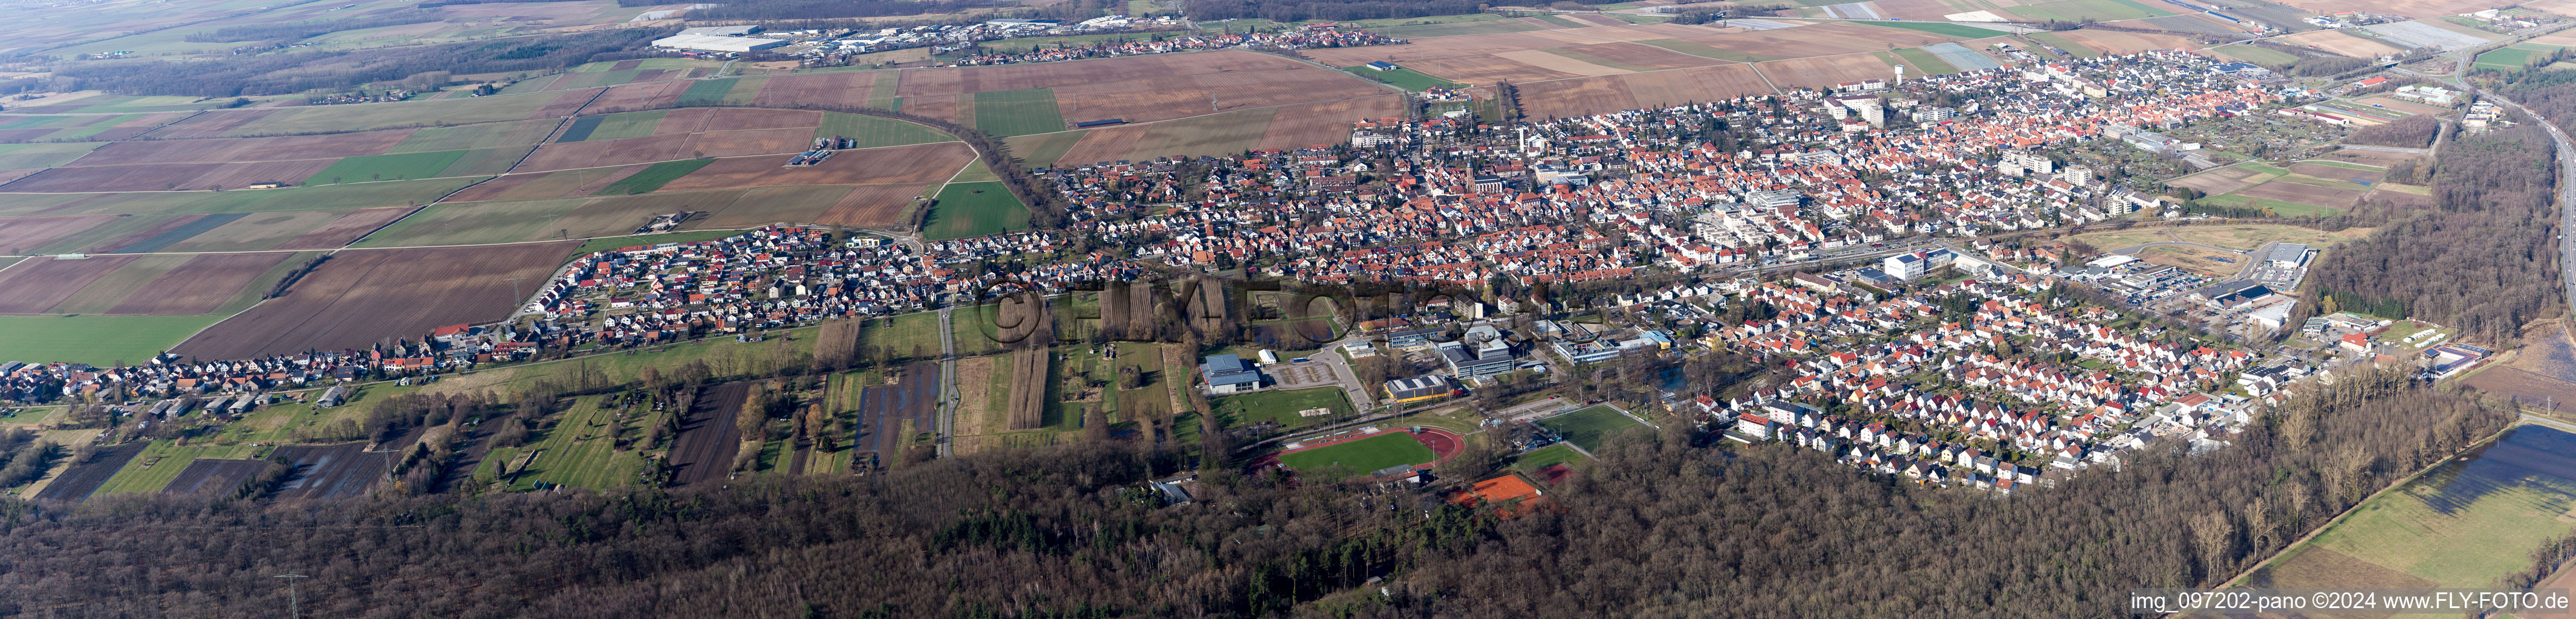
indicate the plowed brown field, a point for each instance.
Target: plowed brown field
{"x":244,"y":149}
{"x":916,"y":164}
{"x":363,"y":297}
{"x":198,"y":286}
{"x":1593,"y":95}
{"x":39,"y":284}
{"x":167,"y":176}
{"x":871,"y":206}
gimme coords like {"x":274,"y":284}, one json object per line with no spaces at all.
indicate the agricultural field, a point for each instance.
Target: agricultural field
{"x":613,"y":126}
{"x":2342,"y":42}
{"x":2114,"y":42}
{"x":974,"y":209}
{"x":1018,"y":112}
{"x":609,"y":216}
{"x":153,"y":285}
{"x":1289,"y":126}
{"x":1363,"y":456}
{"x":708,"y":438}
{"x":892,"y":415}
{"x":2512,"y":57}
{"x":1404,"y":78}
{"x":95,"y":340}
{"x":653,"y":177}
{"x":78,"y":128}
{"x":2082,"y":10}
{"x":359,"y":298}
{"x":727,"y":91}
{"x":468,"y":137}
{"x":290,"y":199}
{"x":1442,"y":26}
{"x":581,"y":450}
{"x":1135,"y":88}
{"x":873,"y":132}
{"x":244,"y":122}
{"x":1279,"y":407}
{"x":382,"y":167}
{"x":34,"y":156}
{"x":2540,"y":373}
{"x":156,"y":466}
{"x":78,"y":480}
{"x":2465,"y":523}
{"x":1585,"y":428}
{"x":687,"y":133}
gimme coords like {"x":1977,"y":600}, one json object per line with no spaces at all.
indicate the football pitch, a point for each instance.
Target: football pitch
{"x":1364,"y":455}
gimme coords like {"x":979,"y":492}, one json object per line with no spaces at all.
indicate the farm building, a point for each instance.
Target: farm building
{"x":332,"y":397}
{"x":1229,"y":374}
{"x":703,"y":43}
{"x":1382,"y":66}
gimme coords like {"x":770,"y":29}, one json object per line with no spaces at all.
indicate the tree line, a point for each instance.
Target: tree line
{"x":297,"y":30}
{"x":294,"y":72}
{"x":1303,"y":10}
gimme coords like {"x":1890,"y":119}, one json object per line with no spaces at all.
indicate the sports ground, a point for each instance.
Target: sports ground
{"x":1367,"y":450}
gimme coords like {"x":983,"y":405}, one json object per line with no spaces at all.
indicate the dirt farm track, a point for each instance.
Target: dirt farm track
{"x":361,"y":297}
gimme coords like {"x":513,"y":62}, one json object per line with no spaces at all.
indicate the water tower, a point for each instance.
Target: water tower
{"x":1900,"y":74}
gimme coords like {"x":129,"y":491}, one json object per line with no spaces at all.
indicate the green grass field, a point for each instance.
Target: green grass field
{"x":2283,"y":208}
{"x":872,"y":132}
{"x":2511,"y":57}
{"x":975,"y":209}
{"x":2098,"y":10}
{"x":1044,"y":149}
{"x":1539,"y":458}
{"x":579,"y":452}
{"x":727,"y":91}
{"x":1957,"y":30}
{"x":1363,"y":456}
{"x":1280,"y":407}
{"x":168,"y":459}
{"x":1405,"y":78}
{"x":653,"y":177}
{"x":908,"y":335}
{"x":385,"y":167}
{"x":612,"y":126}
{"x":338,"y":118}
{"x":975,"y":172}
{"x":95,"y":340}
{"x":1585,"y":428}
{"x":2464,"y":524}
{"x":1922,"y":61}
{"x":487,"y":135}
{"x":32,"y":156}
{"x":1018,"y":112}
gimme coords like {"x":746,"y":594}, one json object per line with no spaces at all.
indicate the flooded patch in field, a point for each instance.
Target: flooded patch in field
{"x":2536,"y":459}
